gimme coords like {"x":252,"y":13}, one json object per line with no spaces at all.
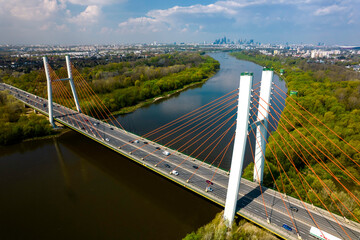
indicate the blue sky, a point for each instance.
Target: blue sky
{"x":146,"y":21}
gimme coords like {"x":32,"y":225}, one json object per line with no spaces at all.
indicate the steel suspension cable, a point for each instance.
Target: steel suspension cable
{"x":186,"y":124}
{"x":324,"y":126}
{"x":192,"y":113}
{"x":67,"y":94}
{"x":91,"y":103}
{"x":257,"y":175}
{"x":326,"y":168}
{"x":208,"y":112}
{"x":288,"y":179}
{"x":217,"y":140}
{"x":214,"y":132}
{"x":263,"y":155}
{"x":188,"y":132}
{"x":341,"y":167}
{"x":96,"y":97}
{"x":218,"y":118}
{"x":224,"y":153}
{"x":305,"y":179}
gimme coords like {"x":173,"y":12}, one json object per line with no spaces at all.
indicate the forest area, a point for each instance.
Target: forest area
{"x":331,"y":94}
{"x":16,"y":125}
{"x":125,"y":84}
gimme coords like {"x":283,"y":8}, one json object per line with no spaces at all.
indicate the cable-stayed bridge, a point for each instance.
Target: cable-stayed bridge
{"x":190,"y":150}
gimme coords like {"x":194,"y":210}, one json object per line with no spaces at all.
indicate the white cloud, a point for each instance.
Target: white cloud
{"x":94,"y":2}
{"x":237,"y":12}
{"x":89,"y":16}
{"x":177,"y":17}
{"x":142,"y":25}
{"x":52,"y":25}
{"x":194,"y":9}
{"x":35,"y":10}
{"x":329,"y":10}
{"x":259,"y":19}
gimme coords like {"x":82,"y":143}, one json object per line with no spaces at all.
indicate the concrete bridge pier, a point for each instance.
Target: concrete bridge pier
{"x":261,"y":130}
{"x":49,"y":91}
{"x":72,"y":85}
{"x":237,"y":162}
{"x":49,"y":87}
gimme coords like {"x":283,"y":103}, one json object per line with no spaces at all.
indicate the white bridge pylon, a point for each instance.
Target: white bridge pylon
{"x":49,"y":87}
{"x":241,"y":132}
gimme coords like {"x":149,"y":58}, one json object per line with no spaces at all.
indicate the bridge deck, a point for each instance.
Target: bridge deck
{"x":250,"y":201}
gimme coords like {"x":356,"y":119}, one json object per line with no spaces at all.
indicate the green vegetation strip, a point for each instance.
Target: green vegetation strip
{"x":217,"y":229}
{"x":16,"y":125}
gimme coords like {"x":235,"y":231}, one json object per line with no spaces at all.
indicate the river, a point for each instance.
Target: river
{"x":71,"y":187}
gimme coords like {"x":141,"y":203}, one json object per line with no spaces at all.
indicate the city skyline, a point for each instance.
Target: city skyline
{"x":127,"y":22}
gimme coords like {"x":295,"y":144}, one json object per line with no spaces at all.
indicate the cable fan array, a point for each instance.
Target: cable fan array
{"x":297,"y":156}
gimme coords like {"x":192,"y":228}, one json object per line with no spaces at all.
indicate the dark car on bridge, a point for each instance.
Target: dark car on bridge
{"x":287,"y":227}
{"x":294,"y":209}
{"x":209,"y":182}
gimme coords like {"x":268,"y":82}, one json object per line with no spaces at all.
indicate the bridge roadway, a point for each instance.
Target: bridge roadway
{"x":250,"y":203}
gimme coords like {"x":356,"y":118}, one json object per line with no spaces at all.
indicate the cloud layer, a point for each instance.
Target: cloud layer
{"x":101,"y":21}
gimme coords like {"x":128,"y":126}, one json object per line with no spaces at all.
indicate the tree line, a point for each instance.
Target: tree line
{"x":126,"y":84}
{"x":16,"y":125}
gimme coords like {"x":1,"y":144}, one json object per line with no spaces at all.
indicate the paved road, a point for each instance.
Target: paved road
{"x":151,"y":155}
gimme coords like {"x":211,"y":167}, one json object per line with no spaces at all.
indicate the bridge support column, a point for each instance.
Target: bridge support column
{"x":72,"y":85}
{"x":261,"y":130}
{"x":49,"y":90}
{"x":242,"y":123}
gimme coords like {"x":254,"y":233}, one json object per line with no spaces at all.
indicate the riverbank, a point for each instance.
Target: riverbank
{"x":146,"y":85}
{"x":164,"y":96}
{"x":57,"y":133}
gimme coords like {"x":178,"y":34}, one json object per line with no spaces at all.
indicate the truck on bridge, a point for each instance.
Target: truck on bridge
{"x":321,"y":234}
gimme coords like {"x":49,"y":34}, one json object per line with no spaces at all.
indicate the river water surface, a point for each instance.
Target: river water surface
{"x":71,"y":187}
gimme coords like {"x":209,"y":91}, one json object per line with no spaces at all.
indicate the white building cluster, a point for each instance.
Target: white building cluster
{"x":323,"y":53}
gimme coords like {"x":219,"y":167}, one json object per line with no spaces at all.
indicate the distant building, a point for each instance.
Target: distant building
{"x":320,"y":54}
